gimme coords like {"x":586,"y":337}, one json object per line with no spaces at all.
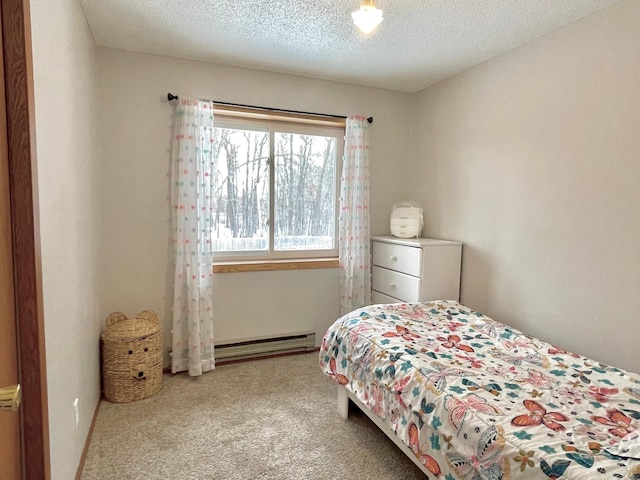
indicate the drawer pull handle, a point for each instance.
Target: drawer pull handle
{"x":393,"y":258}
{"x":392,"y":285}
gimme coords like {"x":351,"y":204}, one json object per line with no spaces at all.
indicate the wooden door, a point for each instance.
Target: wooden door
{"x":10,"y":455}
{"x":20,"y":274}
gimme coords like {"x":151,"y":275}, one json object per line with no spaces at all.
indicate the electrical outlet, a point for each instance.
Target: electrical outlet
{"x":76,"y":413}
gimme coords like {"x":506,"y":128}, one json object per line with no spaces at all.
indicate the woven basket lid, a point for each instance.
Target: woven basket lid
{"x":131,"y":329}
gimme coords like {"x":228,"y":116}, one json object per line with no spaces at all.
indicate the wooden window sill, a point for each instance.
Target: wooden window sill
{"x":273,"y":265}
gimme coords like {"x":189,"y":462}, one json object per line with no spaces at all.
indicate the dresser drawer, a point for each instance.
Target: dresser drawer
{"x":398,"y":285}
{"x":400,"y":258}
{"x":377,"y":297}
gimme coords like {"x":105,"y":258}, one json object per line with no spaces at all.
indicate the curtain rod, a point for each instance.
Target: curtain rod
{"x":171,"y":96}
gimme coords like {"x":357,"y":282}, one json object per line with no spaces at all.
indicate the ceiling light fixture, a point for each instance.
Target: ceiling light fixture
{"x":368,"y":17}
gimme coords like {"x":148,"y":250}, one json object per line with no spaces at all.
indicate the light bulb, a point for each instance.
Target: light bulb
{"x":368,"y":17}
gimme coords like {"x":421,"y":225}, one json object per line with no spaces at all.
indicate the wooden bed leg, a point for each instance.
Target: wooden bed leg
{"x":343,"y":402}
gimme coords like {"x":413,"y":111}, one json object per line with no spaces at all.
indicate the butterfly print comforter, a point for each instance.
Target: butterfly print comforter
{"x":476,"y":399}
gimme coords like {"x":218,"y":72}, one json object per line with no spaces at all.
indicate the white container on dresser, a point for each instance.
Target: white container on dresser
{"x":415,"y":270}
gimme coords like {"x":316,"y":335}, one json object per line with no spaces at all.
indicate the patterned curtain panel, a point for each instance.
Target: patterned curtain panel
{"x":192,"y":163}
{"x":355,"y":275}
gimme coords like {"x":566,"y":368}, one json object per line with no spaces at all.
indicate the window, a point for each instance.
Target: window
{"x":274,"y":189}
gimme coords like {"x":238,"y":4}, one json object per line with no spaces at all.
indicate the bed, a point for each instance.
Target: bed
{"x":467,"y":397}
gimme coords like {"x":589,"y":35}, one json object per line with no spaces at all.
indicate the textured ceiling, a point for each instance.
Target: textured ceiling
{"x":420,"y":42}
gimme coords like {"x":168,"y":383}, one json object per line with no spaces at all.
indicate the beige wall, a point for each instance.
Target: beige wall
{"x":136,"y":125}
{"x":70,"y":221}
{"x":533,"y":161}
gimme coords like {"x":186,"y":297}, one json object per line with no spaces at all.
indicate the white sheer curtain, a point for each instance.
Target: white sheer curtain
{"x":355,"y":275}
{"x":192,"y":162}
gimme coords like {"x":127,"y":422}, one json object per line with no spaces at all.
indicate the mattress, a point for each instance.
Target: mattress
{"x":476,"y":399}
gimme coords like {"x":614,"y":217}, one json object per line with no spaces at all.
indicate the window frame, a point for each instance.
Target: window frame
{"x":285,"y":124}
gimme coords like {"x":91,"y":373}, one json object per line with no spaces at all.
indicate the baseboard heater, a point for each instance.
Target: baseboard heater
{"x":299,"y":342}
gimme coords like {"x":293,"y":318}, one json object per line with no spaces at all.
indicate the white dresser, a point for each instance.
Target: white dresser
{"x":415,"y":270}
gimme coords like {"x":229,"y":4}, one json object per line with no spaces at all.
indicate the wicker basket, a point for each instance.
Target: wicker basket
{"x":131,"y":356}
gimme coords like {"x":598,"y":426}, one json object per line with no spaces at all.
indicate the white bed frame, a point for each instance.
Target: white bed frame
{"x":345,"y":395}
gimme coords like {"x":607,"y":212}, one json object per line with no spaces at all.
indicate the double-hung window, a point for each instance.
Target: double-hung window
{"x":275,"y":189}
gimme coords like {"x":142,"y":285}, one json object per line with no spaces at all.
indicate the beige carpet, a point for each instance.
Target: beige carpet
{"x":266,"y":419}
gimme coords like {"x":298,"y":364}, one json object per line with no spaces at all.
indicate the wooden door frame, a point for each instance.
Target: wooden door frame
{"x":16,"y":32}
